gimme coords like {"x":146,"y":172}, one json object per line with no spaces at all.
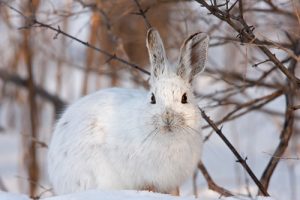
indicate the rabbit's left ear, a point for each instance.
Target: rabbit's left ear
{"x":193,"y":56}
{"x":156,"y":52}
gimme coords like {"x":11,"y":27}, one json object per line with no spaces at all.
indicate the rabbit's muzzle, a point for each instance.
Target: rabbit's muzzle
{"x":169,"y":121}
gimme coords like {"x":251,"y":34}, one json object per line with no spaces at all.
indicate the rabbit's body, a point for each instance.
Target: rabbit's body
{"x":128,"y":139}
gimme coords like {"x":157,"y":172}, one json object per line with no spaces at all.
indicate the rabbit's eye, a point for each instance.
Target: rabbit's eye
{"x":184,"y":98}
{"x":153,"y":101}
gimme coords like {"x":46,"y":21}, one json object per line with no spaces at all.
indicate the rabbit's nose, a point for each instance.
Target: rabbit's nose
{"x":166,"y":113}
{"x":168,"y":117}
{"x":168,"y":121}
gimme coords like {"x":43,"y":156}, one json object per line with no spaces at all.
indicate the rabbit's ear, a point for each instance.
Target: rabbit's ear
{"x":193,"y":55}
{"x":156,"y":52}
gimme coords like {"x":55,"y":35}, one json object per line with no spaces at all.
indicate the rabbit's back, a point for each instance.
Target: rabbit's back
{"x":79,"y":141}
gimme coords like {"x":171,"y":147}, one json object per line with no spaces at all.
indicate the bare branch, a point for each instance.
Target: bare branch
{"x":246,"y":34}
{"x":33,"y":23}
{"x":211,"y":184}
{"x":2,"y":186}
{"x":288,"y":125}
{"x":94,"y":7}
{"x":41,"y":92}
{"x":241,"y":160}
{"x":250,"y":105}
{"x":282,"y":157}
{"x":295,"y":107}
{"x":142,"y":13}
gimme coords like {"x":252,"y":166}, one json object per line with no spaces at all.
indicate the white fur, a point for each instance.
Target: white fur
{"x":116,"y":139}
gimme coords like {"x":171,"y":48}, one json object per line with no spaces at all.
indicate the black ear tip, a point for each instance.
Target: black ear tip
{"x":198,"y":35}
{"x":151,"y":31}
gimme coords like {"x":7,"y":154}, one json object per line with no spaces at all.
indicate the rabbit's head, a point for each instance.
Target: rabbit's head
{"x":171,"y":98}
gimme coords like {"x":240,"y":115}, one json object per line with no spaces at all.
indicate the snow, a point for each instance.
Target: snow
{"x":12,"y":196}
{"x":118,"y":195}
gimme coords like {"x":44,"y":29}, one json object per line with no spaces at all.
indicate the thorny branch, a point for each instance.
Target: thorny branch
{"x":246,"y":34}
{"x":288,"y":125}
{"x":142,"y":13}
{"x":109,"y":55}
{"x":241,"y":160}
{"x":34,"y":23}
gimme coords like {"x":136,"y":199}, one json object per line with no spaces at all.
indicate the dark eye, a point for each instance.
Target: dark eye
{"x":184,"y":98}
{"x":153,"y":101}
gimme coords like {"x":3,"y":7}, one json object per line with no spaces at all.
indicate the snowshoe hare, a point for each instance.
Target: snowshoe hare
{"x":133,"y":139}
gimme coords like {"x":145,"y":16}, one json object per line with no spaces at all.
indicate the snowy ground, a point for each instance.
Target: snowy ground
{"x":118,"y":195}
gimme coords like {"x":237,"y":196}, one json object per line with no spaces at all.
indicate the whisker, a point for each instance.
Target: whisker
{"x":194,"y":130}
{"x":148,"y":135}
{"x":140,"y":148}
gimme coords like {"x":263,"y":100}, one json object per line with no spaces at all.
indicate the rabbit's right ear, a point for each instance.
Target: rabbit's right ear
{"x":193,"y":55}
{"x":156,"y":52}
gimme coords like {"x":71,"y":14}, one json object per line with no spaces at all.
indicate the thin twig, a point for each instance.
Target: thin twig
{"x":249,"y":106}
{"x":142,"y":13}
{"x":93,"y":6}
{"x":282,"y":157}
{"x":195,"y":189}
{"x":295,"y":107}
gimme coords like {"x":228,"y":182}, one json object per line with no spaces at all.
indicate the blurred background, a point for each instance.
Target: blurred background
{"x":250,"y":87}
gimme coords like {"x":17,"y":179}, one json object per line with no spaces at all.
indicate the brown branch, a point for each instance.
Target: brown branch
{"x":94,"y":7}
{"x":282,"y":157}
{"x":35,"y":183}
{"x":31,"y":161}
{"x":33,"y":23}
{"x":263,"y":42}
{"x":2,"y":186}
{"x":237,"y":89}
{"x":142,"y":13}
{"x":286,"y":134}
{"x":295,"y":107}
{"x":288,"y":125}
{"x":250,"y":105}
{"x":261,"y":62}
{"x":241,"y":160}
{"x":245,"y":33}
{"x":271,"y":11}
{"x":58,"y":103}
{"x":40,"y":24}
{"x":228,"y":76}
{"x":210,"y":182}
{"x":195,"y":190}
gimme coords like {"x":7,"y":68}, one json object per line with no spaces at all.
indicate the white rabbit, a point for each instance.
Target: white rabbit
{"x":133,"y":139}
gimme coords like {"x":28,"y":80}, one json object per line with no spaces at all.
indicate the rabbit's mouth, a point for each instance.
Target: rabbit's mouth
{"x":169,"y":121}
{"x":168,"y":124}
{"x":167,"y":128}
